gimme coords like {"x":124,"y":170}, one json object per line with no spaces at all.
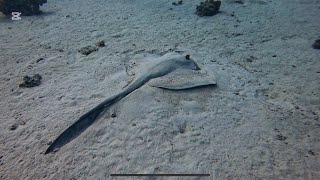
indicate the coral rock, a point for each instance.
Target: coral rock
{"x":208,"y":8}
{"x":316,"y":44}
{"x":87,"y":50}
{"x":25,"y":7}
{"x":31,"y":81}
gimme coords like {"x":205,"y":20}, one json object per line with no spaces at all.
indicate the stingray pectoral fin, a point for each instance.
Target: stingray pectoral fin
{"x":183,"y":79}
{"x":75,"y":129}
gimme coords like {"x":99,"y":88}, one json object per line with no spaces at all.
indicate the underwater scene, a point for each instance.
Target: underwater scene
{"x":160,"y":89}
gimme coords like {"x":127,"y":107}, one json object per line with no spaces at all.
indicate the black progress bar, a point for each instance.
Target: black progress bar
{"x":159,"y":174}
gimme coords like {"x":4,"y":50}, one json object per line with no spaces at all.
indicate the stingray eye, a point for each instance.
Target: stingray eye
{"x":188,"y":56}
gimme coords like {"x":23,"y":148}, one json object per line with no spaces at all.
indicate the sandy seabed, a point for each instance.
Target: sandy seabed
{"x":261,"y":121}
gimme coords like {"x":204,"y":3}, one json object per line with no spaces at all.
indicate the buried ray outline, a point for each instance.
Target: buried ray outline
{"x":170,"y":71}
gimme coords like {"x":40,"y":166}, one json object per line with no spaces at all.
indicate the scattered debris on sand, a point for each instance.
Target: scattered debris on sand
{"x":239,"y":1}
{"x":311,"y":152}
{"x":177,"y":3}
{"x":281,"y":137}
{"x":316,"y":44}
{"x":25,"y":7}
{"x":208,"y":8}
{"x":39,"y":59}
{"x":87,"y":50}
{"x":33,"y":81}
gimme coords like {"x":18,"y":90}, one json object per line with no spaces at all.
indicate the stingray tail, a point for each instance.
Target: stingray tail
{"x":75,"y":129}
{"x":87,"y":119}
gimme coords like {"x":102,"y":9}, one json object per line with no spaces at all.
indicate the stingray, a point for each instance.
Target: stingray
{"x":172,"y":71}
